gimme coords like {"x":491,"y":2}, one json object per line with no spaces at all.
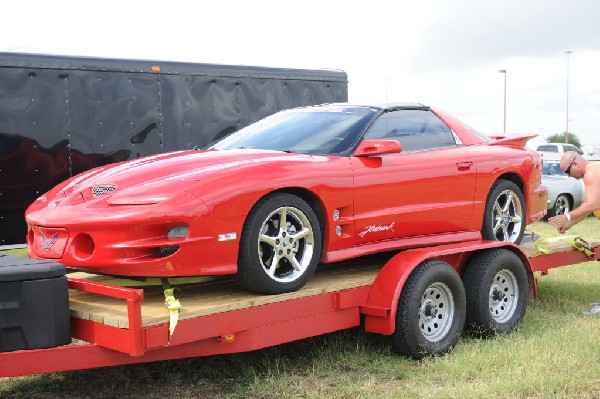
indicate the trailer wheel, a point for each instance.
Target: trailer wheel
{"x":280,"y":245}
{"x":431,"y":311}
{"x":496,"y":286}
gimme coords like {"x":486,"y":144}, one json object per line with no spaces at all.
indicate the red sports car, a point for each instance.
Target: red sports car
{"x":303,"y":186}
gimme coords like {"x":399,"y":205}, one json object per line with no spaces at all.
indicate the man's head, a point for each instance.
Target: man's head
{"x":573,"y":164}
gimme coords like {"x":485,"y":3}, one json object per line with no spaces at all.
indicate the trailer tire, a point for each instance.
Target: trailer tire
{"x":431,"y":311}
{"x":275,"y":260}
{"x":496,"y":286}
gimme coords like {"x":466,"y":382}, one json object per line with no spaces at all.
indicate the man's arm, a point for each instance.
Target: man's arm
{"x":591,"y":203}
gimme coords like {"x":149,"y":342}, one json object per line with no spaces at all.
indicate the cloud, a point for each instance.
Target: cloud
{"x":473,"y":34}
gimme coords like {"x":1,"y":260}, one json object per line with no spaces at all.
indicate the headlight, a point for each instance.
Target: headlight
{"x":179,"y":232}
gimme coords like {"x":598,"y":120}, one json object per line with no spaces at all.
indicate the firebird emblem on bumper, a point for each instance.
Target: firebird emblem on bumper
{"x":48,"y":243}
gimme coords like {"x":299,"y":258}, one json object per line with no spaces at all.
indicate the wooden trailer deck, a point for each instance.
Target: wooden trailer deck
{"x":211,"y":297}
{"x":221,"y":295}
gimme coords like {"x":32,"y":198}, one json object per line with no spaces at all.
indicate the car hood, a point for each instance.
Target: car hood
{"x":166,"y":170}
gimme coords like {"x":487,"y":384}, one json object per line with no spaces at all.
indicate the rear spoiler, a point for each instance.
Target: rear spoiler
{"x":519,"y":141}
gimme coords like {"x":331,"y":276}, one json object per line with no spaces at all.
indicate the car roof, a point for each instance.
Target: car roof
{"x":386,"y":106}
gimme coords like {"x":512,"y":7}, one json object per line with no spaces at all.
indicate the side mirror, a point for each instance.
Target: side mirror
{"x":373,"y":148}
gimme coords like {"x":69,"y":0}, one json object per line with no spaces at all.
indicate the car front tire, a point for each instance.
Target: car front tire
{"x":280,"y":245}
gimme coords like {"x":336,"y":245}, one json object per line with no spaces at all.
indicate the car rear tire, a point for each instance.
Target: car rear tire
{"x":496,"y":287}
{"x":504,"y":217}
{"x":561,"y":206}
{"x":431,"y":311}
{"x":280,"y":245}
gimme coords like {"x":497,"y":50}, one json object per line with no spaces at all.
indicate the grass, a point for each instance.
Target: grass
{"x":553,"y":354}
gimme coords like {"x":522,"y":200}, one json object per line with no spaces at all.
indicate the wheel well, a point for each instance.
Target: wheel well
{"x":513,"y":177}
{"x":310,"y":198}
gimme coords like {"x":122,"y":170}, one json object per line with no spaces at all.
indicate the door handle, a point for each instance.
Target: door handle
{"x":464,"y":165}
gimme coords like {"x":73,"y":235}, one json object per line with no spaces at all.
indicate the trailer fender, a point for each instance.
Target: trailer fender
{"x":382,"y":303}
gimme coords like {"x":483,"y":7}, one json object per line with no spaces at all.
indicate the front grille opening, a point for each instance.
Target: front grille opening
{"x":99,"y":191}
{"x":167,"y":250}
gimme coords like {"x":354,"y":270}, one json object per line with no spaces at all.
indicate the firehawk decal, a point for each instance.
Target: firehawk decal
{"x":376,"y":228}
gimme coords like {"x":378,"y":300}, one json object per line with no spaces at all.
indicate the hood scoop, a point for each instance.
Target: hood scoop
{"x":103,"y":189}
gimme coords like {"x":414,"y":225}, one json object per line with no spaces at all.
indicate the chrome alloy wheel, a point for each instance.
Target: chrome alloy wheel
{"x":507,"y":216}
{"x":286,"y":244}
{"x":504,"y":296}
{"x":436,"y":311}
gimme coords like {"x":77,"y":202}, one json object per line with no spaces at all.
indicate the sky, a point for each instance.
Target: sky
{"x":442,"y":53}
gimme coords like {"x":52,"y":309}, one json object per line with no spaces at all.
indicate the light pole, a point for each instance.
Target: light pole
{"x":504,"y":126}
{"x":568,"y":53}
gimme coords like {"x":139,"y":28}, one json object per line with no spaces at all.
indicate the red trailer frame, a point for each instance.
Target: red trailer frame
{"x":258,"y":326}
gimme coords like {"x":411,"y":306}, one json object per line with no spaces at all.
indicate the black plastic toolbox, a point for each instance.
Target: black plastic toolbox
{"x":34,"y":304}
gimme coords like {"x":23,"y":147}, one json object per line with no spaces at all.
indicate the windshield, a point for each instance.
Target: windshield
{"x":327,"y":130}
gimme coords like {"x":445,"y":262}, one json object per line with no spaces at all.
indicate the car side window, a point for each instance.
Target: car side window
{"x":415,"y":129}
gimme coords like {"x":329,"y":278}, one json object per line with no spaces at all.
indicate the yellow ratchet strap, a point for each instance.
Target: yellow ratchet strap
{"x":172,"y":304}
{"x":583,"y":246}
{"x":578,"y":243}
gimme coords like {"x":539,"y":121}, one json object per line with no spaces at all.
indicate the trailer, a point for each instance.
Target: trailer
{"x":422,"y":298}
{"x":62,"y":115}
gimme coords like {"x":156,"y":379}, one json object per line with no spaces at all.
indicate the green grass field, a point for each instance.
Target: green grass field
{"x":555,"y":353}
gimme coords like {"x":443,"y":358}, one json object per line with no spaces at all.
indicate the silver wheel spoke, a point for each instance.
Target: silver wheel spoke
{"x":515,"y":219}
{"x":274,"y":263}
{"x":283,"y":219}
{"x":507,"y":206}
{"x":497,"y":209}
{"x":295,"y":264}
{"x":270,"y":241}
{"x":301,"y":234}
{"x":497,"y":226}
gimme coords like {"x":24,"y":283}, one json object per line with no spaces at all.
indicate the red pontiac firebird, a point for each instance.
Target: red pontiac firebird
{"x":303,"y":186}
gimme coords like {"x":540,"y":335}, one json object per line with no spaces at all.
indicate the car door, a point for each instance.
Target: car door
{"x":426,"y":189}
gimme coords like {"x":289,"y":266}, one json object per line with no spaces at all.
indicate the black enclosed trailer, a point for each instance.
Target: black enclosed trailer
{"x":60,"y":115}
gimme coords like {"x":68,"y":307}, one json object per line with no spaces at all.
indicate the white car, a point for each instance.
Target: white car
{"x":564,"y":192}
{"x":558,"y":148}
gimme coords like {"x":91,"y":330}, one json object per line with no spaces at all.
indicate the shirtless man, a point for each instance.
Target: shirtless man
{"x":576,"y":166}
